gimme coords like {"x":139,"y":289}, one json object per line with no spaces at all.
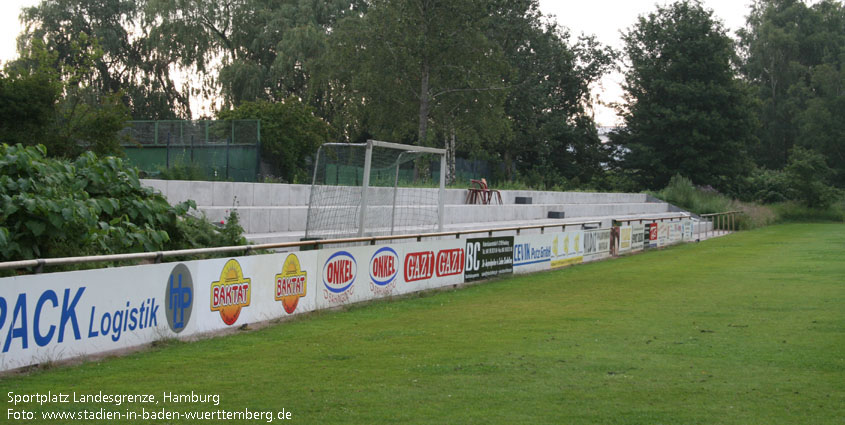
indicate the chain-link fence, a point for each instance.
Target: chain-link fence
{"x":195,"y":150}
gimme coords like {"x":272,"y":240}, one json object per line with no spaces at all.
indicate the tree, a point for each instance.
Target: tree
{"x":793,"y":57}
{"x":686,"y":111}
{"x":247,"y":50}
{"x":553,"y":137}
{"x":290,"y":134}
{"x":127,"y":60}
{"x":52,"y":105}
{"x":807,"y":176}
{"x":27,"y":105}
{"x":411,"y":61}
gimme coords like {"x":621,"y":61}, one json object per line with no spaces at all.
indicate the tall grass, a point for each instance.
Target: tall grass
{"x":792,"y":211}
{"x":683,"y":193}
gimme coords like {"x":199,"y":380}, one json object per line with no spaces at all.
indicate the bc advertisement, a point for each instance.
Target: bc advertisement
{"x":488,"y":257}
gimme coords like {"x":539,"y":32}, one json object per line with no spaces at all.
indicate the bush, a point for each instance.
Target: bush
{"x":181,"y":171}
{"x":768,"y":186}
{"x":57,"y":208}
{"x":290,"y":133}
{"x":808,"y":176}
{"x":795,"y":211}
{"x":681,"y":192}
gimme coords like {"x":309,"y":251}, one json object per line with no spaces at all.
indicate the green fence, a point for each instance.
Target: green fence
{"x":205,"y":150}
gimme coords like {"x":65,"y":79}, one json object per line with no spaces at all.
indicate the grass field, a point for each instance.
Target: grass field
{"x":745,"y":329}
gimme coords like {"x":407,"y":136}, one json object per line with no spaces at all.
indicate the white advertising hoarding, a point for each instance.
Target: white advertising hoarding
{"x":532,"y":253}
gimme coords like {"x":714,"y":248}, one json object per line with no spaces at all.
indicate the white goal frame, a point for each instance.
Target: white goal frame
{"x":366,"y":180}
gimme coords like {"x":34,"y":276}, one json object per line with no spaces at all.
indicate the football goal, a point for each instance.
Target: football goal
{"x":376,"y":188}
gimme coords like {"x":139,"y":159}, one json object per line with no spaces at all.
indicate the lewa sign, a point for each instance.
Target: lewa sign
{"x":62,"y":315}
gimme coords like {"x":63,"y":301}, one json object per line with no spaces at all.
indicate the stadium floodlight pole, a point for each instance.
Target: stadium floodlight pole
{"x":368,"y":160}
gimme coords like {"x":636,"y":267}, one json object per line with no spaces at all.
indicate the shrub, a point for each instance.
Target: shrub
{"x":181,"y":171}
{"x":768,"y":186}
{"x":290,"y":133}
{"x":55,"y":208}
{"x":795,"y":211}
{"x":808,"y":175}
{"x":681,"y":192}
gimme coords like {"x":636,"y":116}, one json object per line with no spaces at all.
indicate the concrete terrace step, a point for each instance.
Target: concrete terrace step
{"x":606,"y":221}
{"x":230,"y":194}
{"x":293,"y":218}
{"x":274,"y":212}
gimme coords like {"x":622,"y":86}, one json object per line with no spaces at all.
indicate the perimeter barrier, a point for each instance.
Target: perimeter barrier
{"x":63,"y":315}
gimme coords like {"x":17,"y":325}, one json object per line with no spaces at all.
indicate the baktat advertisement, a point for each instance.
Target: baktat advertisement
{"x":232,"y":292}
{"x":488,"y":257}
{"x":58,"y":316}
{"x":429,"y":265}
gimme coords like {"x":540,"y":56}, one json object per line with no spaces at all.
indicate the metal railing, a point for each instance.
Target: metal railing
{"x":157,"y":257}
{"x":653,"y":219}
{"x":721,"y":222}
{"x":726,"y":220}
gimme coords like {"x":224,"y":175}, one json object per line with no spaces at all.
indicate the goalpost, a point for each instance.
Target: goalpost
{"x":376,"y":188}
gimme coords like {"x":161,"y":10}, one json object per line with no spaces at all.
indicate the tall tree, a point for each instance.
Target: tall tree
{"x":793,"y":56}
{"x":54,"y":106}
{"x":413,"y":60}
{"x":115,"y":34}
{"x":686,"y":112}
{"x":247,"y":50}
{"x":553,"y":134}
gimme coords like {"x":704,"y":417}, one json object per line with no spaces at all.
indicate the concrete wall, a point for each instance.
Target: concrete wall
{"x":229,"y":194}
{"x":282,"y":208}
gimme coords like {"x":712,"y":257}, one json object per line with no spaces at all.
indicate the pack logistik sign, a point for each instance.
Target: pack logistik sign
{"x":24,"y":324}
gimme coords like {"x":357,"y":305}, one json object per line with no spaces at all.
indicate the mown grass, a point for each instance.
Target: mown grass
{"x":744,"y":329}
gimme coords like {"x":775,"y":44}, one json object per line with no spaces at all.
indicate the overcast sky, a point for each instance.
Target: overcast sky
{"x":604,"y":18}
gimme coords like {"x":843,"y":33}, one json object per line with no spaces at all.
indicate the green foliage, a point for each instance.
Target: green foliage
{"x":126,"y":55}
{"x":686,"y":111}
{"x":793,"y":56}
{"x":182,"y":172}
{"x":683,"y":193}
{"x":58,"y":208}
{"x":807,"y":174}
{"x":52,"y":105}
{"x":798,"y":212}
{"x":252,"y":49}
{"x":767,"y":186}
{"x":290,"y":133}
{"x":198,"y":232}
{"x":27,"y":105}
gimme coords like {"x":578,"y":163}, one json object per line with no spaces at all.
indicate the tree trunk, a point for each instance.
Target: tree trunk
{"x":450,"y":156}
{"x":424,"y":104}
{"x":424,"y":107}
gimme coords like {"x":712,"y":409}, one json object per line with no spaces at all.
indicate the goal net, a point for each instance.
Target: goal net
{"x":376,"y":188}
